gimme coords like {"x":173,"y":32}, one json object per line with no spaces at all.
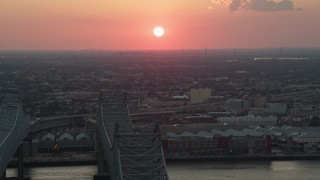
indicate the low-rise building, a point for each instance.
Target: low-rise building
{"x":236,"y":105}
{"x":249,"y":120}
{"x":200,"y":95}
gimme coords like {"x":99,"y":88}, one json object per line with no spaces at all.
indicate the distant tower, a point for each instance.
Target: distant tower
{"x":280,"y":50}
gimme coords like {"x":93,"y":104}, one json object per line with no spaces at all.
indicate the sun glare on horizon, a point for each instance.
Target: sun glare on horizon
{"x":158,"y":31}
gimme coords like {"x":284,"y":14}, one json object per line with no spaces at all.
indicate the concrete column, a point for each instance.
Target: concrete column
{"x":96,"y":142}
{"x":100,"y":157}
{"x":4,"y":175}
{"x":20,"y":163}
{"x":30,"y":145}
{"x":100,"y":162}
{"x":102,"y":167}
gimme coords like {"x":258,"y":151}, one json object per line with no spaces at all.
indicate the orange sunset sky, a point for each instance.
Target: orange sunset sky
{"x":128,"y":25}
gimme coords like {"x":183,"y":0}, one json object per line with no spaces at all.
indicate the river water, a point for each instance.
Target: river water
{"x":223,"y":170}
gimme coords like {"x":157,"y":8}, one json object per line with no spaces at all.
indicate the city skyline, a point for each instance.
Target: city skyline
{"x":120,"y":25}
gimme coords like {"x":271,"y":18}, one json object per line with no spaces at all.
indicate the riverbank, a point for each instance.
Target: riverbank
{"x":63,"y":159}
{"x":89,"y":158}
{"x":247,"y":158}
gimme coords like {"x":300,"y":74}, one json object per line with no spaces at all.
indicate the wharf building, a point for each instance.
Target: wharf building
{"x":210,"y":140}
{"x":75,"y":141}
{"x":292,"y":140}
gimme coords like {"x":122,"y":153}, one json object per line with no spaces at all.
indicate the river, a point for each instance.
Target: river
{"x":226,"y":170}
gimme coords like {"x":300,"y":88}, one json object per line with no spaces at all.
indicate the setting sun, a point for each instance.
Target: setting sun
{"x":158,"y":31}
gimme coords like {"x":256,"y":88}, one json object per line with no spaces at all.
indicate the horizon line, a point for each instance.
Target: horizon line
{"x":185,"y":49}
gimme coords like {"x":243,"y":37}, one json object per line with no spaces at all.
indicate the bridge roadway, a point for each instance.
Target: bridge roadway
{"x":130,"y":153}
{"x":177,"y":109}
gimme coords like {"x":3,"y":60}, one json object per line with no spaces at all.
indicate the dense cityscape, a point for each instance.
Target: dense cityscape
{"x":208,"y":104}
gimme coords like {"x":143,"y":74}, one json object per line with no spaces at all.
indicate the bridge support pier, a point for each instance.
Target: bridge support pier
{"x":20,"y":162}
{"x":4,"y":175}
{"x":30,"y":145}
{"x":101,"y":163}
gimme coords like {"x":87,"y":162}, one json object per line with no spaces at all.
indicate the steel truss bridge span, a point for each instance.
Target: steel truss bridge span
{"x":14,"y":127}
{"x":131,"y":153}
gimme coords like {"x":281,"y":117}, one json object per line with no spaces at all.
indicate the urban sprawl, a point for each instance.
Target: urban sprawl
{"x":224,"y":105}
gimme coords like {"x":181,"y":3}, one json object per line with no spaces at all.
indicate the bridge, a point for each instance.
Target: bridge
{"x":125,"y":152}
{"x":14,"y":128}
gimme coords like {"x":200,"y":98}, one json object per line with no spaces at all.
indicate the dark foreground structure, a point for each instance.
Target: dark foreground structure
{"x":124,"y":152}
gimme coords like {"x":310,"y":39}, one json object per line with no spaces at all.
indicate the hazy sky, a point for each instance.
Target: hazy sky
{"x":114,"y":24}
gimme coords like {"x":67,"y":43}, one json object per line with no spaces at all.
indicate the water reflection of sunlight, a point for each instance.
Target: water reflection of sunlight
{"x":290,"y":165}
{"x":59,"y":172}
{"x":11,"y":172}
